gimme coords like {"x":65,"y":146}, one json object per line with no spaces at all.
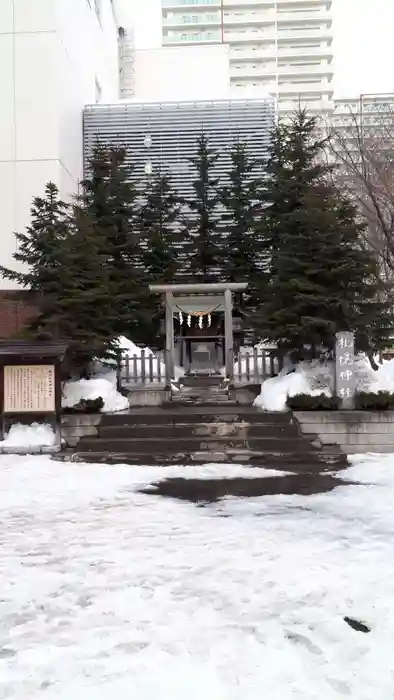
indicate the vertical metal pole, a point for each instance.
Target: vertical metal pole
{"x":228,"y":334}
{"x":2,"y":402}
{"x":58,"y":403}
{"x":169,"y":359}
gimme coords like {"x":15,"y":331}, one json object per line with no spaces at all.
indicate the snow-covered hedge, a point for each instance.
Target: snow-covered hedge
{"x":316,"y":379}
{"x":305,"y":402}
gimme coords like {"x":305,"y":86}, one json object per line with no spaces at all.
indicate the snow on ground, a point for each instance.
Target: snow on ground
{"x":25,"y":436}
{"x":315,"y":378}
{"x":106,"y":592}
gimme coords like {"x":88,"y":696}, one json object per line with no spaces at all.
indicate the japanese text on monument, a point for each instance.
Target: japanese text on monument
{"x":345,"y":377}
{"x":29,"y":388}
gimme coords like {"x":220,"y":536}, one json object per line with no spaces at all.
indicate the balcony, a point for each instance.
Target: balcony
{"x":240,"y":53}
{"x":242,"y":4}
{"x":195,"y":20}
{"x":293,"y":3}
{"x":305,"y":52}
{"x":189,"y":38}
{"x":249,"y":19}
{"x":316,"y":88}
{"x":294,"y":18}
{"x":249,"y":36}
{"x":249,"y":3}
{"x":303,"y":33}
{"x":253,"y":71}
{"x":271,"y":69}
{"x":190,"y":4}
{"x":320,"y":70}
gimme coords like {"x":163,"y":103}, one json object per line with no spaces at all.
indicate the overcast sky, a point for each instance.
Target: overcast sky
{"x":364,"y":41}
{"x":364,"y":33}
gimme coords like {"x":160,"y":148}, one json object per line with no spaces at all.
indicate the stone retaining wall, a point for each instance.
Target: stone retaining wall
{"x":75,"y":426}
{"x":354,"y":431}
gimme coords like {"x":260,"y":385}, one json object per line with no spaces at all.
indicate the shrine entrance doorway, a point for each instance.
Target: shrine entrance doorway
{"x":199,"y":327}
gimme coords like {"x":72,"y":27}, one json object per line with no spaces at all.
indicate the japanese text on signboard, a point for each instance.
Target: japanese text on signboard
{"x":29,"y":388}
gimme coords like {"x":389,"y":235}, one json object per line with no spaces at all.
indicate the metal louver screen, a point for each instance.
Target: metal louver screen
{"x":173,"y":129}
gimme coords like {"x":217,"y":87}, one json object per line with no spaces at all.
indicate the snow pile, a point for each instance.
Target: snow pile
{"x":104,"y":386}
{"x":129,"y":349}
{"x":26,"y":436}
{"x":316,"y":378}
{"x":384,"y":377}
{"x":275,"y":391}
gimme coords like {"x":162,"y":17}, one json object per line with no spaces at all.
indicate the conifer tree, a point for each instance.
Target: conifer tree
{"x":321,"y":280}
{"x":111,"y":200}
{"x":160,"y":233}
{"x":205,"y":245}
{"x":240,"y":200}
{"x":241,"y":226}
{"x":64,"y":270}
{"x":159,"y":228}
{"x":83,"y":312}
{"x":39,"y":248}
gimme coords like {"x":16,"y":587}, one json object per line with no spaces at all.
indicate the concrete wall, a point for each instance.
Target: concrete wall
{"x":355,"y":432}
{"x":55,"y":56}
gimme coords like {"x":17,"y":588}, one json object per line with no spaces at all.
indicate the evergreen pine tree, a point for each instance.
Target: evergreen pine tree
{"x":83,"y":312}
{"x":65,"y":273}
{"x":240,"y":199}
{"x":159,"y":230}
{"x":321,"y":280}
{"x":39,"y":249}
{"x":111,"y":200}
{"x":205,"y":245}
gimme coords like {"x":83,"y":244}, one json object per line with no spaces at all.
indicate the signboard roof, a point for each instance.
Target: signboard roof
{"x":32,"y":349}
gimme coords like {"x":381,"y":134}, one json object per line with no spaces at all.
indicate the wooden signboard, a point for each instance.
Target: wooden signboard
{"x":29,"y":389}
{"x":30,"y":384}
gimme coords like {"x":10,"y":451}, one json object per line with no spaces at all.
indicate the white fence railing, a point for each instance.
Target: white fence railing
{"x":142,"y":369}
{"x":254,"y":366}
{"x":249,"y":367}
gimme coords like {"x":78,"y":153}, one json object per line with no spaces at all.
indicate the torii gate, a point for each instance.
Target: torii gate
{"x":203,"y":297}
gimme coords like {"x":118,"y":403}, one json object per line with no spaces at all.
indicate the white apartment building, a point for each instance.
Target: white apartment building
{"x":55,"y":57}
{"x":368,"y":113}
{"x":277,"y":47}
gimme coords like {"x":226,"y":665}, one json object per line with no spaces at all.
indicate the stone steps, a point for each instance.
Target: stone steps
{"x":201,"y":424}
{"x":201,"y":389}
{"x":169,"y":415}
{"x":202,"y":381}
{"x":192,"y":443}
{"x":201,"y":400}
{"x":178,"y":429}
{"x":300,"y":463}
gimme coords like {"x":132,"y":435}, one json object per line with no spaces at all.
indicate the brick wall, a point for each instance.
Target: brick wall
{"x":15,"y":312}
